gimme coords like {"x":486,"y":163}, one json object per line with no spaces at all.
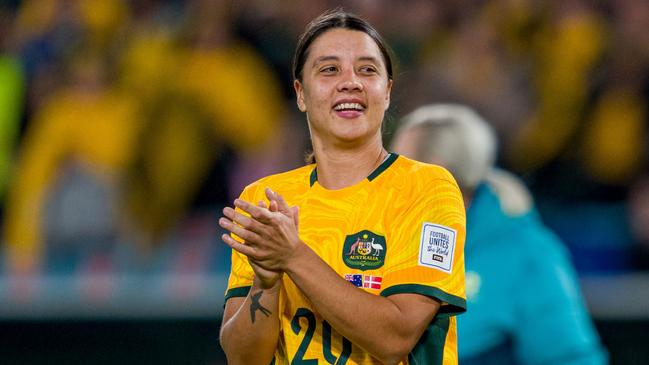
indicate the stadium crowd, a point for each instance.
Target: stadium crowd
{"x":125,"y":126}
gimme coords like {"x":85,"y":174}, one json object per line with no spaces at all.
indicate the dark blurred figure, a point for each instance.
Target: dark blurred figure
{"x":523,"y":297}
{"x":639,"y":220}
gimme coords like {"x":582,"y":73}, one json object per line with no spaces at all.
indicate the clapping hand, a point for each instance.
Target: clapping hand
{"x":270,"y":234}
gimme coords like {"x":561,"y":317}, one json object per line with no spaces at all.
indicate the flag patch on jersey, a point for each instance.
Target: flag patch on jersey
{"x":364,"y":281}
{"x":437,"y":247}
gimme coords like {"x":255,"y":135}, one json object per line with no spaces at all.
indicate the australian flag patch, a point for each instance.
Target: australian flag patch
{"x":365,"y":281}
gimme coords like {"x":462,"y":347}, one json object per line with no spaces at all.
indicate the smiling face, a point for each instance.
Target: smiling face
{"x":345,"y":89}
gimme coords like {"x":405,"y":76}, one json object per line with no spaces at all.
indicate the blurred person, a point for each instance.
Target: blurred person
{"x":614,"y":139}
{"x":565,"y":53}
{"x":217,"y":60}
{"x":524,"y":301}
{"x":199,"y":129}
{"x":586,"y":136}
{"x":43,"y":31}
{"x":12,"y":95}
{"x":47,"y":32}
{"x":358,"y":257}
{"x":149,"y":57}
{"x":582,"y":146}
{"x":65,"y":192}
{"x":218,"y":68}
{"x":470,"y":62}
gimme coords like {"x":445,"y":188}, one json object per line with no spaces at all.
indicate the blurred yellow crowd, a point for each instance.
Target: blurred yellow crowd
{"x":120,"y":120}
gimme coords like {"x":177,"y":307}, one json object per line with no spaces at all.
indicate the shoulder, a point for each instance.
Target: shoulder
{"x":282,"y":182}
{"x":420,"y":176}
{"x":525,"y":226}
{"x":512,"y":194}
{"x":425,"y":190}
{"x":417,"y":170}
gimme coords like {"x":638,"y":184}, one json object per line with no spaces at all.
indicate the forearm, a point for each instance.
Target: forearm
{"x":383,"y":330}
{"x":253,"y":325}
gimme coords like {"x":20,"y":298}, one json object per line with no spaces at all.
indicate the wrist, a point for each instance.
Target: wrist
{"x":270,"y":287}
{"x":297,"y":258}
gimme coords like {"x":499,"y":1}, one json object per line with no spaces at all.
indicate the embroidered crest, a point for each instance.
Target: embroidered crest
{"x":364,"y":250}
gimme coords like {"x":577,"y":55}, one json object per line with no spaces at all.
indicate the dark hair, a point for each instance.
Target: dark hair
{"x":332,"y":19}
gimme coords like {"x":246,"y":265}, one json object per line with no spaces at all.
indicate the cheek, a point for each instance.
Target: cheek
{"x":381,"y":94}
{"x":314,"y":97}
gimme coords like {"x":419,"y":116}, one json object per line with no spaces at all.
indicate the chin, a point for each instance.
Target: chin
{"x":357,"y":135}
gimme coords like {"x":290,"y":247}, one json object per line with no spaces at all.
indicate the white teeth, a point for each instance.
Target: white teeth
{"x":346,"y":106}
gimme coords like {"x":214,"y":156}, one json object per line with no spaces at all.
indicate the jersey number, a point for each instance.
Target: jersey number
{"x":326,"y":340}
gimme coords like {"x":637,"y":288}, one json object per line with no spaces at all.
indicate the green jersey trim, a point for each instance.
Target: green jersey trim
{"x":430,"y":347}
{"x":237,"y":292}
{"x":384,"y":166}
{"x":314,"y":176}
{"x":378,"y":171}
{"x":455,"y":305}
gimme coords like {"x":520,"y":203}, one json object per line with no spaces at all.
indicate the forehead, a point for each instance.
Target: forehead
{"x":344,"y":43}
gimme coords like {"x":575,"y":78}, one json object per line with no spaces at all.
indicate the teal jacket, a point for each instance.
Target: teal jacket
{"x":524,"y":304}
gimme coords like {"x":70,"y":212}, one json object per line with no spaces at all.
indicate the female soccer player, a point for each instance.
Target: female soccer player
{"x":358,"y":257}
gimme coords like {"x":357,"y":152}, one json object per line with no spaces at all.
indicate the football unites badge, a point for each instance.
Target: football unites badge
{"x":364,"y":250}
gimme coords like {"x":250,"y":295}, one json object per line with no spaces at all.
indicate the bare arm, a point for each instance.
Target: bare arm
{"x":251,"y":323}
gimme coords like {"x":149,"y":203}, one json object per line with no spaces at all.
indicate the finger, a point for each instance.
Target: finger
{"x":274,"y":207}
{"x":243,"y":233}
{"x":238,"y":246}
{"x":282,"y":202}
{"x":242,"y":220}
{"x":260,"y":214}
{"x":262,"y":204}
{"x":296,"y":215}
{"x":271,"y":195}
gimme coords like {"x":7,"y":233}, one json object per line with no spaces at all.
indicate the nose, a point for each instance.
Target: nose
{"x":350,"y":82}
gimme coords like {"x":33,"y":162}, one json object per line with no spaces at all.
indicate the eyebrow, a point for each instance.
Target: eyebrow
{"x":336,"y":58}
{"x":325,"y":58}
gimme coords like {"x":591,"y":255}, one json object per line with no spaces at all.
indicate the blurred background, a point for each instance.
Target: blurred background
{"x":126,"y":126}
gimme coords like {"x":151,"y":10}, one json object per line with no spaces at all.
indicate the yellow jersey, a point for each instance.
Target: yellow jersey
{"x":401,"y":230}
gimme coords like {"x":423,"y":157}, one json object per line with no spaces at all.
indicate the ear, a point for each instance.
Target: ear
{"x":299,"y":93}
{"x":387,"y":94}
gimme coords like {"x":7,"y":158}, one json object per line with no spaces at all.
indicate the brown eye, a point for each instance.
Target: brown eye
{"x":368,"y":70}
{"x":328,"y":69}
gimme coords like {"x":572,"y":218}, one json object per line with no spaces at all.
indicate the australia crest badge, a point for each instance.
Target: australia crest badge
{"x":364,"y":250}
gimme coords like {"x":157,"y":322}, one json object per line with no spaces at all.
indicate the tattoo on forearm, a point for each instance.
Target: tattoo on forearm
{"x":255,"y":305}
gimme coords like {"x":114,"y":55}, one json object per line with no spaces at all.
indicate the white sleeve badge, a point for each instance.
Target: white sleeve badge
{"x":437,"y":247}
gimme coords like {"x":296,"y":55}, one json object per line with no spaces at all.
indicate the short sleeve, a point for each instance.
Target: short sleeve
{"x":426,"y":245}
{"x":241,"y":274}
